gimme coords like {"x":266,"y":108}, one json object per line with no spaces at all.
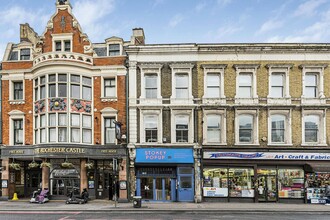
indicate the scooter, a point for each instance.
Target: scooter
{"x":40,"y":196}
{"x":74,"y":199}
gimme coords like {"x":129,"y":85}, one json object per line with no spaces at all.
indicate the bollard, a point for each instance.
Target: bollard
{"x":15,"y":197}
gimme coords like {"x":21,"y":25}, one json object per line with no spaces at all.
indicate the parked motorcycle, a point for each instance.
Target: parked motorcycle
{"x":74,"y":198}
{"x":40,"y":196}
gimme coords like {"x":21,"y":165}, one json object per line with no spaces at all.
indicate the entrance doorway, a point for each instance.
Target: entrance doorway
{"x":63,"y":181}
{"x":32,"y":181}
{"x":186,"y":184}
{"x":158,"y":189}
{"x":267,"y":187}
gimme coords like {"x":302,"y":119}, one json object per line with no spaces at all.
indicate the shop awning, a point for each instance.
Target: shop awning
{"x":317,"y":167}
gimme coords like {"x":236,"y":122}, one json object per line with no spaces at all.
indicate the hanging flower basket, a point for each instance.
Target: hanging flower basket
{"x":45,"y":164}
{"x":66,"y":164}
{"x":89,"y":165}
{"x":33,"y":164}
{"x":15,"y":166}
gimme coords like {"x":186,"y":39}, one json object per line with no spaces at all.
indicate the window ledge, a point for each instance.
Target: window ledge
{"x":17,"y":102}
{"x":242,"y":144}
{"x":214,"y":144}
{"x":279,"y":145}
{"x":109,"y":99}
{"x":313,"y":145}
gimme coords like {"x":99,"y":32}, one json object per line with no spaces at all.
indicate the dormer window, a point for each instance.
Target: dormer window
{"x":25,"y":54}
{"x":114,"y":49}
{"x":67,"y":46}
{"x":58,"y":46}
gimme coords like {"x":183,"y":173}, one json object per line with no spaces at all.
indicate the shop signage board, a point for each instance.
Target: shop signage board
{"x":266,"y":156}
{"x":215,"y":192}
{"x":164,"y":155}
{"x":55,"y":151}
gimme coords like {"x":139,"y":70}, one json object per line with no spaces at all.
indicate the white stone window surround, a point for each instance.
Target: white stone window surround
{"x":106,"y":98}
{"x":23,"y":45}
{"x":279,"y":69}
{"x":215,"y":69}
{"x":255,"y":128}
{"x":317,"y":69}
{"x":184,"y":112}
{"x":115,"y":40}
{"x":152,"y":69}
{"x":107,"y":112}
{"x":184,"y":68}
{"x":62,"y":38}
{"x":15,"y":115}
{"x":154,"y":112}
{"x":287,"y":127}
{"x":321,"y":130}
{"x":223,"y":122}
{"x":17,"y":77}
{"x":243,"y":69}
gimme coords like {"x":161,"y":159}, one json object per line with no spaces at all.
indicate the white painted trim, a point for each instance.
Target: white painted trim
{"x":159,"y":114}
{"x":15,"y":115}
{"x":62,"y":37}
{"x":247,"y":69}
{"x":185,"y":68}
{"x":223,"y":123}
{"x":190,"y":114}
{"x":219,"y":70}
{"x":150,"y":69}
{"x":319,"y":71}
{"x":107,"y":113}
{"x":322,"y":127}
{"x":286,"y":99}
{"x":287,"y":127}
{"x":255,"y":128}
{"x":103,"y":97}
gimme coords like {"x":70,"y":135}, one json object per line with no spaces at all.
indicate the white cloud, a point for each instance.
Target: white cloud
{"x":308,"y":8}
{"x":226,"y":31}
{"x":200,"y":6}
{"x":176,"y":20}
{"x":91,"y":16}
{"x":157,"y":3}
{"x":317,"y":32}
{"x":270,"y":25}
{"x":224,"y":2}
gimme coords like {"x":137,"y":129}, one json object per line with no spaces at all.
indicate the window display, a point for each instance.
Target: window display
{"x":235,"y":182}
{"x":291,"y":183}
{"x":215,"y":182}
{"x":241,"y":182}
{"x":316,"y":187}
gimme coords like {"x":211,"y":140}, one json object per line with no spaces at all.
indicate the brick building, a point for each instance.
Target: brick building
{"x":63,"y":101}
{"x":250,"y":122}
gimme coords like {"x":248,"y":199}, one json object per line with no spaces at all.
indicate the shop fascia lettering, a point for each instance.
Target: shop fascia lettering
{"x":155,"y":154}
{"x":267,"y":155}
{"x":59,"y":150}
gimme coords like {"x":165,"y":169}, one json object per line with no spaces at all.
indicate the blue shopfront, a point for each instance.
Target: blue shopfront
{"x":165,"y":175}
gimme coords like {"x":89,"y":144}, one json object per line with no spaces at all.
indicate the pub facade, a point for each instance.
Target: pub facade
{"x":64,"y":112}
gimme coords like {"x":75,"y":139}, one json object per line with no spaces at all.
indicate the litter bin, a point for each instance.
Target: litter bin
{"x":137,"y":201}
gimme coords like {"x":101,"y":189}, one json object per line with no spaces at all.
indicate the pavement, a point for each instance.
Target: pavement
{"x":106,"y":206}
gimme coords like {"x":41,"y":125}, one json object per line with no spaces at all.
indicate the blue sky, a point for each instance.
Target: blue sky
{"x":180,"y":21}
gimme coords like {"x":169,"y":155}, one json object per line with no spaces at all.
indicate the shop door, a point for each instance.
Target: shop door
{"x":185,"y":184}
{"x":62,"y":187}
{"x":267,"y":188}
{"x":32,"y":181}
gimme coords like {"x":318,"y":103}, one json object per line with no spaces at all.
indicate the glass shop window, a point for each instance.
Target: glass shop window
{"x":291,"y":183}
{"x":241,"y":182}
{"x":215,"y":182}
